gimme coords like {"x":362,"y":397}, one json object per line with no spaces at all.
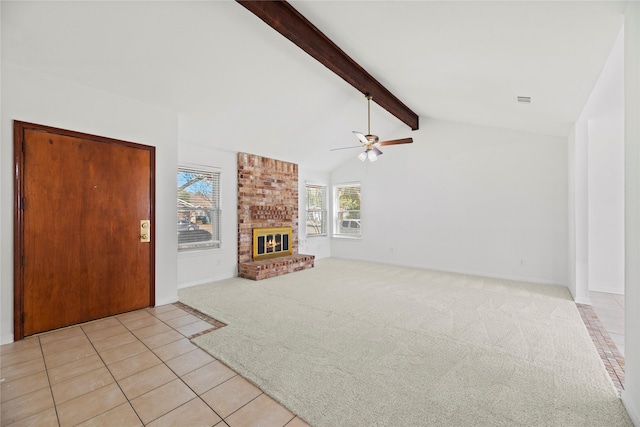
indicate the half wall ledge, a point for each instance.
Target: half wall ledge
{"x":264,"y":269}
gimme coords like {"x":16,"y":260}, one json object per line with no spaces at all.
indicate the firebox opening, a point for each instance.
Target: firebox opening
{"x":271,"y":242}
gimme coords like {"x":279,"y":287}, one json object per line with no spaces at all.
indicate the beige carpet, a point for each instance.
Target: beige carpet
{"x":351,"y":343}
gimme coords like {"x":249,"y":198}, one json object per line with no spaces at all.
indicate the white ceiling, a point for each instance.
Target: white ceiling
{"x":241,"y":86}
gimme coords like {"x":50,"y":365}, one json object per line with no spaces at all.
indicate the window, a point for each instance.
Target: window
{"x":198,"y":209}
{"x":347,"y":210}
{"x":316,"y":210}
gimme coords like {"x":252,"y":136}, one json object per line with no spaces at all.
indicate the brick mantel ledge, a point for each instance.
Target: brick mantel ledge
{"x":264,"y":269}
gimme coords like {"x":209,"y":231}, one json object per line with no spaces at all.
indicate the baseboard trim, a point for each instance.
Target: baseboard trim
{"x":585,"y":301}
{"x":166,"y":301}
{"x":7,"y":340}
{"x":512,"y":278}
{"x":608,"y":291}
{"x":204,"y":281}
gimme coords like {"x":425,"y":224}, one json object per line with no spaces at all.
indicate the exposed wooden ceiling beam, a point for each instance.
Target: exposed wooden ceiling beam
{"x":286,"y":20}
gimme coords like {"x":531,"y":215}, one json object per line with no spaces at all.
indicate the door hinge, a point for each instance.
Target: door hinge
{"x":22,"y":260}
{"x":22,"y":202}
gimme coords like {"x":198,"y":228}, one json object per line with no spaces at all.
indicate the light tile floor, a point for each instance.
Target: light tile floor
{"x":604,"y":320}
{"x":134,"y":369}
{"x":610,"y":311}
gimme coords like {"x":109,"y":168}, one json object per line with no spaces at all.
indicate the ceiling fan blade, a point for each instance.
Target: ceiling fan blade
{"x":378,"y":152}
{"x":345,"y":148}
{"x":396,"y":141}
{"x":361,"y":137}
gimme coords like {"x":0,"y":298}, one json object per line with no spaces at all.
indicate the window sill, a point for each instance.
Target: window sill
{"x":188,"y":253}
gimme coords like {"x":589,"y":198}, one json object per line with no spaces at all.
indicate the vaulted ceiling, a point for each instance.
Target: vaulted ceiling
{"x":241,"y":86}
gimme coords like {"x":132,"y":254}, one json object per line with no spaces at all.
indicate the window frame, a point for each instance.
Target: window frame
{"x":339,"y":214}
{"x":214,"y":216}
{"x":323,"y":211}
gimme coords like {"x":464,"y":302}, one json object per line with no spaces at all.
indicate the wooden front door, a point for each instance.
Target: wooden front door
{"x":79,"y":255}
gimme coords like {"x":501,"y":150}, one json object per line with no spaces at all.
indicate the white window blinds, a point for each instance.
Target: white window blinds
{"x":316,"y":224}
{"x":347,"y":210}
{"x":198,"y":209}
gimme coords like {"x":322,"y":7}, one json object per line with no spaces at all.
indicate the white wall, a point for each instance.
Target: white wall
{"x":596,"y":160}
{"x":606,"y":203}
{"x":33,"y":97}
{"x":197,"y":267}
{"x":3,"y":266}
{"x":578,"y":201}
{"x":631,"y":394}
{"x":596,"y":193}
{"x":468,"y":199}
{"x":320,"y":246}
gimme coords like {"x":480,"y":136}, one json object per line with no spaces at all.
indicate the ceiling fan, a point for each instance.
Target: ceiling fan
{"x":372,"y":142}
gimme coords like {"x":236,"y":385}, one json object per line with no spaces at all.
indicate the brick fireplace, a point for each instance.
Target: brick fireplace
{"x":267,"y":198}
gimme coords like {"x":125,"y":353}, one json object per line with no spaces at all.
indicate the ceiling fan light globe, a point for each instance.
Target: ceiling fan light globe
{"x":363,"y":156}
{"x":372,"y":156}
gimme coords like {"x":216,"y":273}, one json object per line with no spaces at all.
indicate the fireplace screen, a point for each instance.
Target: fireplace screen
{"x":271,"y":242}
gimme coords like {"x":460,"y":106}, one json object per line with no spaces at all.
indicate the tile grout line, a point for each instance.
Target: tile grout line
{"x":46,"y":369}
{"x":111,"y":373}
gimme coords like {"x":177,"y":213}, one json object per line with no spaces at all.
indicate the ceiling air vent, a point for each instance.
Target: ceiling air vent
{"x":524,"y":99}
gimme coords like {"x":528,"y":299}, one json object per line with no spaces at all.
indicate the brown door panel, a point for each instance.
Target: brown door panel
{"x":84,"y":197}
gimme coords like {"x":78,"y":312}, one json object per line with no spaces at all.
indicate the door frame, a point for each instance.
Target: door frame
{"x":19,"y":129}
